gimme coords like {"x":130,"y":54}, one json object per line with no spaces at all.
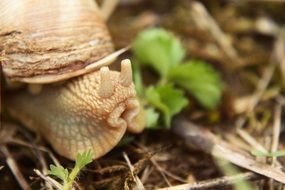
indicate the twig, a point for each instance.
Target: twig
{"x":40,"y":157}
{"x":254,"y":144}
{"x":276,"y":131}
{"x":205,"y":21}
{"x":262,"y":85}
{"x":14,"y":168}
{"x":280,"y":53}
{"x":108,"y":8}
{"x":161,"y":170}
{"x":207,"y":142}
{"x":146,"y":173}
{"x":273,"y":1}
{"x":41,"y":148}
{"x":134,"y":176}
{"x":250,"y":140}
{"x":215,"y":183}
{"x":7,"y":133}
{"x":260,"y":89}
{"x":275,"y":137}
{"x":233,"y":139}
{"x":266,"y":25}
{"x":48,"y":180}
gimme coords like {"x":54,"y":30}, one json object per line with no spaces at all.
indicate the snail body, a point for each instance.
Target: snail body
{"x":44,"y":42}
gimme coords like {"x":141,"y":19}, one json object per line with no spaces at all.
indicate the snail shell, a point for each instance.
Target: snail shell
{"x":49,"y":41}
{"x":59,"y":37}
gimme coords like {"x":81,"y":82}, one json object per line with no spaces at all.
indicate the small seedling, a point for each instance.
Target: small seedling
{"x":163,"y":52}
{"x":267,"y":154}
{"x":166,"y":99}
{"x":231,"y":170}
{"x":69,"y":177}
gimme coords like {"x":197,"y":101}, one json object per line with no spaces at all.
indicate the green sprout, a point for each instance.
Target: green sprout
{"x":161,"y":51}
{"x":68,"y":177}
{"x":258,"y":153}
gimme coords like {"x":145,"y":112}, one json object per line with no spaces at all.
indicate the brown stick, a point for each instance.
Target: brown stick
{"x":48,"y":179}
{"x":14,"y":168}
{"x":139,"y":185}
{"x":275,"y":138}
{"x":280,"y":53}
{"x":259,"y":91}
{"x":207,"y":142}
{"x":205,"y":21}
{"x":219,"y":182}
{"x":108,"y":8}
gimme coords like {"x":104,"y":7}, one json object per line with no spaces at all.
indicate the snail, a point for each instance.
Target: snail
{"x":61,"y":50}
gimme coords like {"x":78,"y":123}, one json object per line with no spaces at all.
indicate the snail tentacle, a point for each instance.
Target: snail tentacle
{"x":106,"y":88}
{"x":126,"y":76}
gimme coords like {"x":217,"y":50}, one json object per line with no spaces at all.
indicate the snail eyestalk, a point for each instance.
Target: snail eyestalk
{"x":126,"y":73}
{"x":106,"y":87}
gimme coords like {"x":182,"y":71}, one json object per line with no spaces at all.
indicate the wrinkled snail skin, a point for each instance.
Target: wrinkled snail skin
{"x":54,"y":37}
{"x":75,"y":117}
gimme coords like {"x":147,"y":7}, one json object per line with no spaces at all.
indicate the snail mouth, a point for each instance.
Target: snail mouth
{"x":124,"y":115}
{"x":131,"y":113}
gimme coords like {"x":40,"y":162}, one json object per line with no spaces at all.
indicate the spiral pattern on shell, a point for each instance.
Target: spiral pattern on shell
{"x":39,"y":37}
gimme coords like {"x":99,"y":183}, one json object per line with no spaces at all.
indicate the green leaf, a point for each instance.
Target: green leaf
{"x":173,"y":98}
{"x":231,"y":170}
{"x":59,"y":172}
{"x":277,"y":154}
{"x":267,"y":154}
{"x":83,"y":159}
{"x":201,"y":80}
{"x":151,"y":117}
{"x":159,"y":49}
{"x":154,"y":99}
{"x":167,"y":99}
{"x":69,"y":178}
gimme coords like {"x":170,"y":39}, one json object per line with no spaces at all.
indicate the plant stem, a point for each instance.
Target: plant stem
{"x":68,"y":183}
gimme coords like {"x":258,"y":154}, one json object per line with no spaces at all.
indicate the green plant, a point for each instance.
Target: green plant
{"x":231,"y":170}
{"x":163,"y":52}
{"x":69,"y":177}
{"x":267,"y":154}
{"x":166,"y":99}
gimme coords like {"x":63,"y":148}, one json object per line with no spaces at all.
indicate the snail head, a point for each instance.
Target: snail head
{"x":116,"y":95}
